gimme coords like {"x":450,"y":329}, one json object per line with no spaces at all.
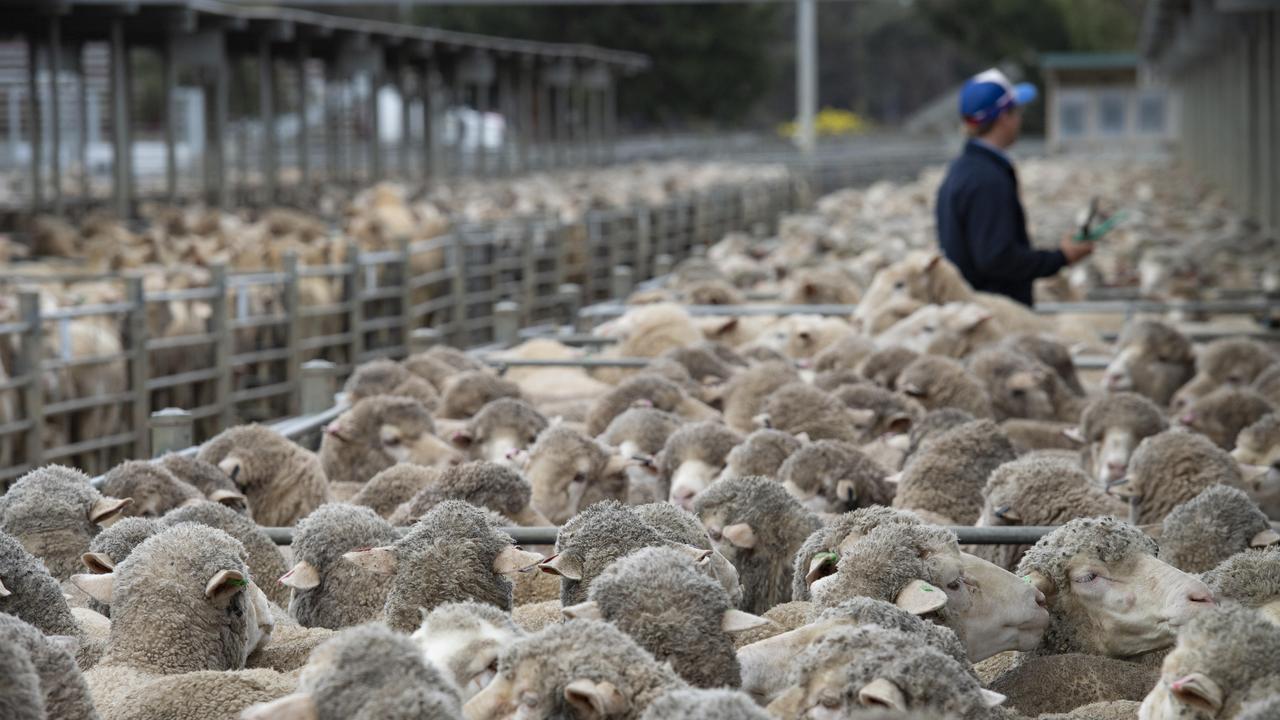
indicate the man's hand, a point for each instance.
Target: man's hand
{"x":1075,"y":251}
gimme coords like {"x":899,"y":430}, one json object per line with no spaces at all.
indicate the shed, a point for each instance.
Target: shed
{"x":1105,"y":101}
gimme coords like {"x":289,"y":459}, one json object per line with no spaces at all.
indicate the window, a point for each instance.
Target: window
{"x":1111,"y":114}
{"x":1071,"y":117}
{"x":1151,"y":114}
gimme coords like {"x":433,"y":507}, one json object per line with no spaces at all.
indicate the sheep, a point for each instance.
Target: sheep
{"x":388,"y":377}
{"x":760,"y":453}
{"x":844,"y":354}
{"x":947,"y":474}
{"x":801,"y":408}
{"x":1250,"y":578}
{"x":30,"y":593}
{"x":153,"y":489}
{"x":263,"y":557}
{"x":391,"y":488}
{"x":934,"y":423}
{"x":1219,"y":656}
{"x":366,"y":671}
{"x":490,"y":485}
{"x":595,"y":537}
{"x":455,"y":552}
{"x":501,"y":429}
{"x":327,"y":591}
{"x":580,"y":668}
{"x":1267,"y":384}
{"x":939,"y":383}
{"x":65,"y":695}
{"x":659,"y":598}
{"x":680,"y":526}
{"x":758,"y":526}
{"x":1169,"y":469}
{"x":21,"y":697}
{"x":432,"y":368}
{"x":463,"y":640}
{"x":465,"y":393}
{"x":208,"y":479}
{"x":1262,"y":702}
{"x":1221,"y":414}
{"x":1053,"y":354}
{"x":830,"y":476}
{"x":1234,"y":362}
{"x":379,"y":432}
{"x":952,"y":330}
{"x":569,"y":471}
{"x":185,"y":616}
{"x":691,"y":459}
{"x":1020,"y":386}
{"x":639,"y":434}
{"x":1258,"y":452}
{"x":893,"y":413}
{"x":833,"y":380}
{"x":884,"y":366}
{"x":1152,"y":359}
{"x":802,"y":337}
{"x":651,"y":391}
{"x":1107,"y":593}
{"x":818,"y":556}
{"x":111,"y":546}
{"x":703,"y":704}
{"x":745,"y":394}
{"x":1064,"y":683}
{"x":1038,"y":491}
{"x":1110,"y":428}
{"x":708,"y":363}
{"x":282,"y":481}
{"x":1211,"y":527}
{"x":651,"y":330}
{"x":55,"y":513}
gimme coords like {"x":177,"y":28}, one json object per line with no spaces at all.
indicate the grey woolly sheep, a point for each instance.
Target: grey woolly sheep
{"x":583,"y":668}
{"x":892,"y":412}
{"x":658,"y":597}
{"x":1039,"y":491}
{"x":465,"y":393}
{"x":1053,"y":354}
{"x":827,"y":540}
{"x":844,"y":354}
{"x":833,"y":380}
{"x":758,"y":526}
{"x":947,"y":474}
{"x":455,"y":552}
{"x":1211,"y":527}
{"x":680,"y":526}
{"x":745,"y":394}
{"x":394,"y":486}
{"x":869,"y":611}
{"x":485,"y":484}
{"x":939,"y":383}
{"x":703,"y":704}
{"x":431,"y":368}
{"x":208,"y":479}
{"x":884,"y":366}
{"x":55,"y":513}
{"x":1107,"y":593}
{"x":464,"y":641}
{"x":1267,"y":384}
{"x":705,"y":362}
{"x":934,"y":423}
{"x":21,"y":697}
{"x":65,"y":695}
{"x":1223,"y":413}
{"x":691,"y":459}
{"x":379,"y":432}
{"x":111,"y":546}
{"x":888,"y":562}
{"x":644,"y":390}
{"x":830,"y":476}
{"x":282,"y":481}
{"x":388,"y":377}
{"x":1060,"y":683}
{"x":1020,"y":386}
{"x":802,"y":408}
{"x":329,"y":591}
{"x":31,"y":594}
{"x":711,"y":292}
{"x":1111,"y":426}
{"x":263,"y":557}
{"x":1250,"y":578}
{"x":569,"y":471}
{"x":363,"y":673}
{"x":501,"y":429}
{"x":590,"y":541}
{"x":153,"y":489}
{"x":1032,"y":436}
{"x":1235,"y":362}
{"x":1152,"y":359}
{"x":1260,"y":705}
{"x":1169,"y":469}
{"x":1219,"y":656}
{"x":454,"y":358}
{"x":760,"y":453}
{"x":1258,"y":452}
{"x":641,"y":431}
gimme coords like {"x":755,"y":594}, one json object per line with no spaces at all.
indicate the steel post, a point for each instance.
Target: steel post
{"x":120,"y":119}
{"x":55,"y":110}
{"x":267,"y":114}
{"x":171,"y":429}
{"x":806,"y":73}
{"x":36,"y":141}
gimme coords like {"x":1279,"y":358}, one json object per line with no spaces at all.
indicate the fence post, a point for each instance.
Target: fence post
{"x":458,"y":322}
{"x":293,"y":339}
{"x":171,"y":429}
{"x":643,"y":264}
{"x":138,"y":371}
{"x":319,"y":385}
{"x":571,"y":299}
{"x":623,"y":281}
{"x":30,"y":359}
{"x":355,"y":293}
{"x":662,"y":265}
{"x":506,"y":323}
{"x":220,"y":327}
{"x":406,"y":294}
{"x":592,"y":221}
{"x":535,"y":238}
{"x":423,"y":339}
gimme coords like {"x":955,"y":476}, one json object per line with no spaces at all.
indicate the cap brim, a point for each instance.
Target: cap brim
{"x":1024,"y":93}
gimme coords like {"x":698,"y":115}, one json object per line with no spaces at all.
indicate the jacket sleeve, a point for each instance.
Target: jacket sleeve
{"x":992,"y":231}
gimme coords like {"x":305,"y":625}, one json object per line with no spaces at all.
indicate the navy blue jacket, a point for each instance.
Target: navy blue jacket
{"x":982,"y":229}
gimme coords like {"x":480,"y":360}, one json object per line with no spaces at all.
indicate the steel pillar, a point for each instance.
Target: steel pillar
{"x":806,"y":73}
{"x":120,"y":119}
{"x":170,"y":70}
{"x":36,"y":140}
{"x":267,"y":113}
{"x":304,"y":145}
{"x":55,"y":110}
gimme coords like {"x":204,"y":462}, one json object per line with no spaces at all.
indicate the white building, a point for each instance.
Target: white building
{"x":1105,"y":101}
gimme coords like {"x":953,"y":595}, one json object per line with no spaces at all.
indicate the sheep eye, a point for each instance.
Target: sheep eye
{"x":1086,"y":578}
{"x":1018,"y":392}
{"x":579,"y":477}
{"x":533,"y":439}
{"x":929,"y":328}
{"x":899,"y":285}
{"x":715,"y":534}
{"x":392,"y":441}
{"x":955,"y":584}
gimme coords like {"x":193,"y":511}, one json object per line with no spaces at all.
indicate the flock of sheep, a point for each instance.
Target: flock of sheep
{"x":755,"y":524}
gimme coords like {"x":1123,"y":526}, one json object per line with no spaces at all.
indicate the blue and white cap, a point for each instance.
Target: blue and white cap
{"x":989,"y":93}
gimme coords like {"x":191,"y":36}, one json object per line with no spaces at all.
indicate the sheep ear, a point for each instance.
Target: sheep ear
{"x":1074,"y":434}
{"x":377,"y":560}
{"x":920,"y":598}
{"x":822,"y":565}
{"x":594,"y":699}
{"x":734,"y":621}
{"x":461,"y":439}
{"x":228,"y":497}
{"x":513,"y":559}
{"x":899,"y":424}
{"x":1041,"y":582}
{"x":616,"y":464}
{"x":231,"y":467}
{"x":294,"y":706}
{"x":846,"y":491}
{"x":803,"y":438}
{"x":4,"y":591}
{"x":588,"y":610}
{"x":1197,"y":689}
{"x":696,"y":554}
{"x":1265,"y":538}
{"x":98,"y":563}
{"x":740,"y":535}
{"x":911,"y":390}
{"x":302,"y":576}
{"x":882,"y":693}
{"x":566,"y":566}
{"x":97,"y":587}
{"x":224,"y":584}
{"x":991,"y":698}
{"x":107,"y":510}
{"x":762,"y":421}
{"x":1008,"y":515}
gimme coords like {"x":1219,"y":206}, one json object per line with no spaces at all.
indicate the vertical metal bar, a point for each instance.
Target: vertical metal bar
{"x":170,"y":429}
{"x":304,"y":145}
{"x":506,"y":323}
{"x":406,"y":137}
{"x":319,"y":385}
{"x":267,"y":112}
{"x":407,"y":320}
{"x":375,"y":146}
{"x":33,"y":115}
{"x":30,"y":359}
{"x":328,"y":99}
{"x":119,"y":118}
{"x":611,"y":121}
{"x":806,"y":73}
{"x":55,"y":110}
{"x":220,"y":327}
{"x":138,"y":372}
{"x":170,"y":83}
{"x":82,"y":123}
{"x":525,"y":122}
{"x":459,"y":319}
{"x":482,"y":90}
{"x":546,"y":129}
{"x":221,"y":113}
{"x":457,"y":101}
{"x":355,"y":293}
{"x":293,"y":337}
{"x":426,"y":80}
{"x":506,"y":109}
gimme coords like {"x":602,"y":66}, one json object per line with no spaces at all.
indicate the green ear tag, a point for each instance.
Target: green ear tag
{"x":829,"y":555}
{"x":1026,"y":579}
{"x":926,"y":588}
{"x":238,"y":583}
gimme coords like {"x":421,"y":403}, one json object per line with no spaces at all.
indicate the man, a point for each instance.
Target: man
{"x":981,"y":226}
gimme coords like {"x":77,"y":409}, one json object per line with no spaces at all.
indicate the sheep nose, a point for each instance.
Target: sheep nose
{"x":512,"y":453}
{"x":1201,"y":595}
{"x":1040,"y":599}
{"x":1116,"y":469}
